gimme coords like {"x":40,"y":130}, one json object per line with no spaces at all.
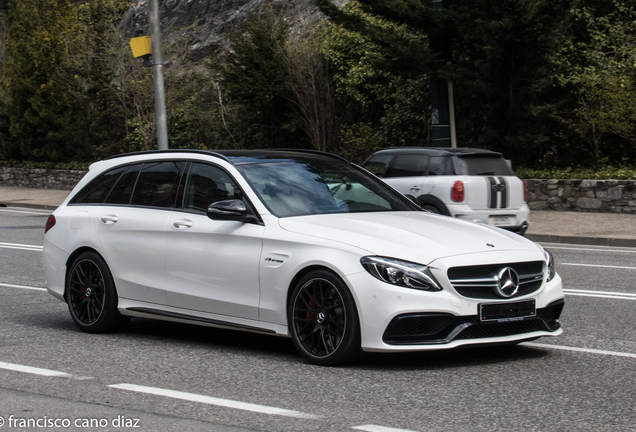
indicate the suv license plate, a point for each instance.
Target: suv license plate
{"x":502,"y":312}
{"x":501,"y":220}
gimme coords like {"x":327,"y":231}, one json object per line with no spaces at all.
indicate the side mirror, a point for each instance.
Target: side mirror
{"x":232,"y":210}
{"x":227,"y":210}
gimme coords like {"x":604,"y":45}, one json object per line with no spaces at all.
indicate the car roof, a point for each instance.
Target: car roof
{"x":440,"y":151}
{"x":242,"y":157}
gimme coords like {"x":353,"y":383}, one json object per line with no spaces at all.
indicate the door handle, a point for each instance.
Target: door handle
{"x":109,"y":219}
{"x":182,"y":224}
{"x":416,"y":187}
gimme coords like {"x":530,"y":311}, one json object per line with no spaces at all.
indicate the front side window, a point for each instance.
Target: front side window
{"x":207,"y":184}
{"x":98,"y":189}
{"x":379,"y":164}
{"x":157,"y":184}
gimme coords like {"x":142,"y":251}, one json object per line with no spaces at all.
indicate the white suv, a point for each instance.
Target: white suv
{"x":466,"y":183}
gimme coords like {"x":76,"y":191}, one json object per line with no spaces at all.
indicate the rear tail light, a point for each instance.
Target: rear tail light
{"x":525,"y":191}
{"x":457,"y":194}
{"x":50,"y":223}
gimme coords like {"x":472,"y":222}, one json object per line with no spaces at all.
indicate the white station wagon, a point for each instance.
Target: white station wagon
{"x":298,"y":244}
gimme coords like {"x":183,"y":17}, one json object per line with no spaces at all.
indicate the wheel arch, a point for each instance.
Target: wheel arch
{"x":434,"y":201}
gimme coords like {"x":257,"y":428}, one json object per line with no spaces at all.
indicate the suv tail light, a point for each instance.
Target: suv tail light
{"x":457,"y":194}
{"x":50,"y":223}
{"x":525,"y":191}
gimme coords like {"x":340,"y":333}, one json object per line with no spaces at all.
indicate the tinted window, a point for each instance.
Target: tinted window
{"x":440,"y":165}
{"x":207,"y":184}
{"x":409,"y":165}
{"x":379,"y":164}
{"x":96,"y":191}
{"x":484,"y":166}
{"x":156,"y":184}
{"x":122,"y":191}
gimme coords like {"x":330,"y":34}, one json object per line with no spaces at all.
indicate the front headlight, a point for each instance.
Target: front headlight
{"x":550,"y":265}
{"x":401,"y":273}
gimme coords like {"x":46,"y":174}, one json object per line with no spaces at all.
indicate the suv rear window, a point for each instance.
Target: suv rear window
{"x":480,"y":165}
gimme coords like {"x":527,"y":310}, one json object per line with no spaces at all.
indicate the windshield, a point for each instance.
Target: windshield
{"x":290,"y":187}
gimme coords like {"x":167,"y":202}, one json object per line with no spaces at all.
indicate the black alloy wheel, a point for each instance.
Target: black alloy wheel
{"x":324,"y":320}
{"x":91,"y":295}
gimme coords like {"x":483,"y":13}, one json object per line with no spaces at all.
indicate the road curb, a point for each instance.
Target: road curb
{"x":581,"y":240}
{"x":31,"y":206}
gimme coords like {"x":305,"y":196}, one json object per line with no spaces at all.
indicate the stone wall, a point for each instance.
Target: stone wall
{"x":611,"y":196}
{"x":40,"y":178}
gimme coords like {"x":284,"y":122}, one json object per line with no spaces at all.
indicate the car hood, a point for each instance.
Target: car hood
{"x":414,"y":236}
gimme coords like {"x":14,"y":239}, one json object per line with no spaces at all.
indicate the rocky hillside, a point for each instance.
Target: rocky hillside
{"x":199,"y":25}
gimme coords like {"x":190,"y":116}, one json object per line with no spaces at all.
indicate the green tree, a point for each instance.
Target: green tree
{"x":379,"y":91}
{"x":596,"y":66}
{"x":38,"y":109}
{"x":252,"y":72}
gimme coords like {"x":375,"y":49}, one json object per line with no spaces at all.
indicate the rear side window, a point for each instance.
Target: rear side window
{"x":208,"y":184}
{"x":96,"y":191}
{"x":440,"y":165}
{"x":157,"y":184}
{"x":122,"y":192}
{"x":484,"y":166}
{"x":410,"y":165}
{"x":378,"y":165}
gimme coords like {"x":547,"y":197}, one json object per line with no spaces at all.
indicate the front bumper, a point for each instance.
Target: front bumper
{"x":394,"y":319}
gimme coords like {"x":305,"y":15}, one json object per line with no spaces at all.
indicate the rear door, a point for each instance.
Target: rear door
{"x":131,"y":227}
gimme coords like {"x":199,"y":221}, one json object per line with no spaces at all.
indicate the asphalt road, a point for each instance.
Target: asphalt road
{"x":158,"y":376}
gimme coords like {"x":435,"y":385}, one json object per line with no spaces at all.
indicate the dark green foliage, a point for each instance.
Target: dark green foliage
{"x":252,"y":73}
{"x":501,"y":72}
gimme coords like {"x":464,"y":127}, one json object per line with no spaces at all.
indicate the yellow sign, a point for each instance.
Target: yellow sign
{"x":141,"y":46}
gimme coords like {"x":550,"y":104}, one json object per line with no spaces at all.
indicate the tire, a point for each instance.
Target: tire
{"x":323,"y":320}
{"x":91,"y":295}
{"x":431,"y":208}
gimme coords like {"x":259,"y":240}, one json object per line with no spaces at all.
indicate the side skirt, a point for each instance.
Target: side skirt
{"x":213,"y":322}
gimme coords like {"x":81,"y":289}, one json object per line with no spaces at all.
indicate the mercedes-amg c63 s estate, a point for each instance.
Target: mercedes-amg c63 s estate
{"x":299,"y":244}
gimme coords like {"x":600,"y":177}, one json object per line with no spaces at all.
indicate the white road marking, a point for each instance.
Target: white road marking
{"x":583,"y":350}
{"x":374,"y":428}
{"x":22,"y":287}
{"x":597,"y":265}
{"x":193,"y":397}
{"x":600,"y":294}
{"x":26,"y":212}
{"x":35,"y":248}
{"x":33,"y":370}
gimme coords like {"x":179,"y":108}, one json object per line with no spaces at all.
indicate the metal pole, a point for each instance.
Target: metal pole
{"x":451,"y":114}
{"x":157,"y":74}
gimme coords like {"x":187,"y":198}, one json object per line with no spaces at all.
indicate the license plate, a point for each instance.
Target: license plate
{"x":501,"y":220}
{"x":501,"y":312}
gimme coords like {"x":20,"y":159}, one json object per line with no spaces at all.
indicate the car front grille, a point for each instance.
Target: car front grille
{"x":479,"y":282}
